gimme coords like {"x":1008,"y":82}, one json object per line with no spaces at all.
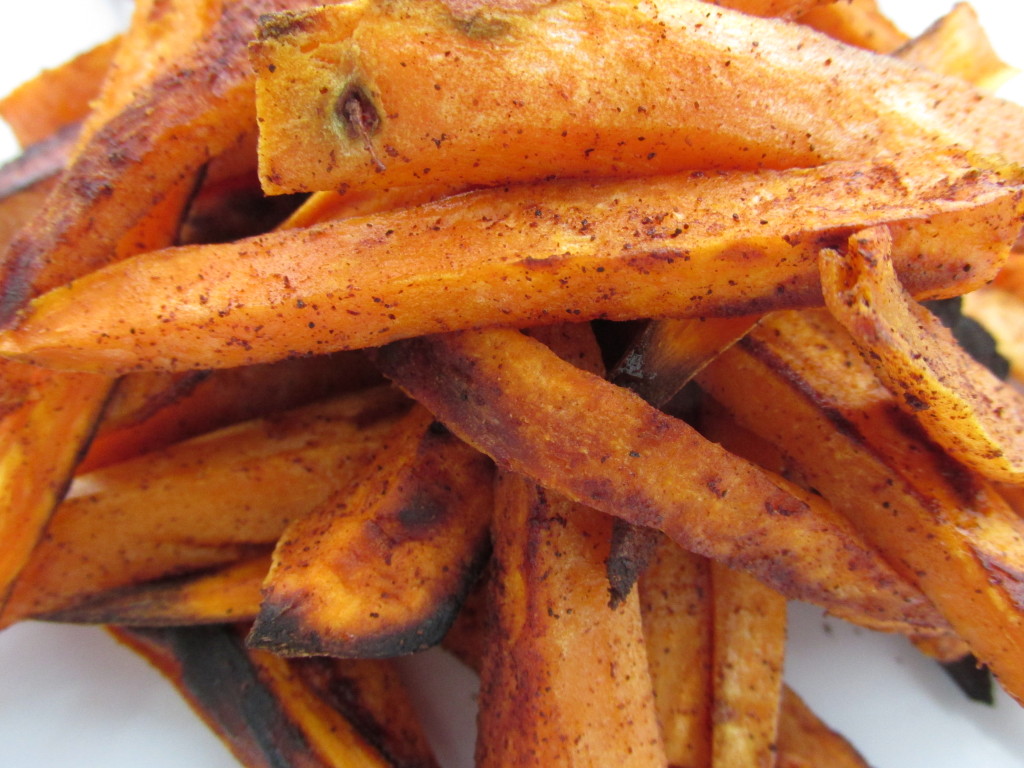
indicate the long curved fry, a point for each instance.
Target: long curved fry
{"x":685,"y":246}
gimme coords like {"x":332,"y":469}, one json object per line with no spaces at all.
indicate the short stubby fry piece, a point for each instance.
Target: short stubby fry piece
{"x":962,"y":405}
{"x":372,"y":95}
{"x":381,"y":567}
{"x":689,"y":245}
{"x":602,"y":446}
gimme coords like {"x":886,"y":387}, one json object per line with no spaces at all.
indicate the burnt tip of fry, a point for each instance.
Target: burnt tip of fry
{"x":281,"y":629}
{"x":971,"y":677}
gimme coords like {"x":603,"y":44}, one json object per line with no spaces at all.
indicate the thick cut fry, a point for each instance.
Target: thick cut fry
{"x":806,"y":742}
{"x":303,"y":713}
{"x":197,"y":504}
{"x":225,"y":594}
{"x":380,"y":568}
{"x":675,"y":604}
{"x":962,"y":405}
{"x":143,"y":155}
{"x":798,"y":381}
{"x":957,"y":45}
{"x":603,"y":446}
{"x":689,"y":245}
{"x":375,"y":95}
{"x":564,"y":678}
{"x":57,"y":98}
{"x":749,"y":646}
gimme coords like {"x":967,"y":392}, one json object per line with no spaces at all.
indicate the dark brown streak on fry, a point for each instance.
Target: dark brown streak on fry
{"x":40,"y":161}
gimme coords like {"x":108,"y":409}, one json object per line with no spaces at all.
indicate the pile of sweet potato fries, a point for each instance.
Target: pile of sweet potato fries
{"x":576,"y":336}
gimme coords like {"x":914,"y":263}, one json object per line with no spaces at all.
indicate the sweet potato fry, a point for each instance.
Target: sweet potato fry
{"x":604,"y":447}
{"x":145,"y":152}
{"x":798,"y":381}
{"x":58,"y":98}
{"x":210,"y":500}
{"x":222,"y":595}
{"x":965,"y":408}
{"x":688,"y":245}
{"x":784,"y":9}
{"x":677,"y":613}
{"x":380,"y":568}
{"x":749,"y":647}
{"x":957,"y":45}
{"x":856,"y":22}
{"x":806,"y":742}
{"x":377,"y":95}
{"x":564,"y":678}
{"x":150,"y":411}
{"x":307,"y":713}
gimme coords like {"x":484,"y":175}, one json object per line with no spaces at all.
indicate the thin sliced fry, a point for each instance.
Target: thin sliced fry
{"x":962,"y":405}
{"x":675,"y":604}
{"x":806,"y":742}
{"x":685,"y":246}
{"x":749,"y":647}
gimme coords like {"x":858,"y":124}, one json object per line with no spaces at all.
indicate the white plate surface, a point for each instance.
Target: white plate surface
{"x":71,"y":697}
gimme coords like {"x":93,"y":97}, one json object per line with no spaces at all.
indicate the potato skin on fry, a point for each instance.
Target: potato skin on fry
{"x":689,"y":245}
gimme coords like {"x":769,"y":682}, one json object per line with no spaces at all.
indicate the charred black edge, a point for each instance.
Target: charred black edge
{"x":281,"y":629}
{"x":632,"y":547}
{"x":971,"y":677}
{"x":218,"y":678}
{"x":149,"y":604}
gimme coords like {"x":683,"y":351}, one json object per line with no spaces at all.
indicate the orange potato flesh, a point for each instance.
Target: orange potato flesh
{"x":602,"y":446}
{"x":369,"y":96}
{"x":380,"y":568}
{"x":200,"y":503}
{"x":857,"y":22}
{"x":806,"y":742}
{"x":749,"y":646}
{"x":692,"y":245}
{"x":225,"y":594}
{"x":564,"y":678}
{"x":141,"y":152}
{"x":778,"y":8}
{"x":45,"y":418}
{"x":798,"y":381}
{"x":963,"y":406}
{"x":675,"y":605}
{"x":59,"y":97}
{"x":150,"y":411}
{"x":957,"y":45}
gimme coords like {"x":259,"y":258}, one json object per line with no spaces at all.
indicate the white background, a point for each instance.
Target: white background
{"x":71,"y":697}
